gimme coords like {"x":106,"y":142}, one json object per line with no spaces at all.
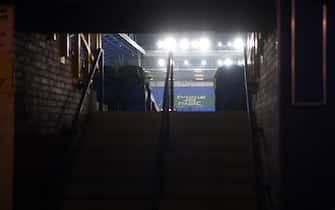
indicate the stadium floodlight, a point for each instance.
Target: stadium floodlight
{"x":219,"y":44}
{"x":229,"y":44}
{"x":186,"y":62}
{"x":160,"y":44}
{"x":170,"y":44}
{"x":203,"y":62}
{"x":197,"y":70}
{"x":220,"y":63}
{"x":199,"y":78}
{"x":204,"y":44}
{"x":228,"y":62}
{"x":161,"y":62}
{"x":198,"y":75}
{"x":195,"y":44}
{"x":238,"y":44}
{"x":184,"y":44}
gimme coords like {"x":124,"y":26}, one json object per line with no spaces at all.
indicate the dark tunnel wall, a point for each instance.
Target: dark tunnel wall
{"x":307,"y":130}
{"x":144,"y":15}
{"x":307,"y":133}
{"x":264,"y":75}
{"x":45,"y":103}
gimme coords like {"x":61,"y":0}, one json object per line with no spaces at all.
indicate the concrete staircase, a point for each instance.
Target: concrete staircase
{"x":208,"y":164}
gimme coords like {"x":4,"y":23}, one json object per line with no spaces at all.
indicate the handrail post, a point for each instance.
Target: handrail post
{"x":171,"y":84}
{"x":164,"y":136}
{"x":260,"y":195}
{"x":168,"y":95}
{"x":89,"y":82}
{"x":102,"y":81}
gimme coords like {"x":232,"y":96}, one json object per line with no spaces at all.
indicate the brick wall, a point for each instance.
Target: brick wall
{"x":45,"y":102}
{"x":46,"y":98}
{"x":266,"y":105}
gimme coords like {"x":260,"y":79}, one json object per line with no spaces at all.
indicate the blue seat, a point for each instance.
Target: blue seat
{"x":229,"y":89}
{"x":132,"y":89}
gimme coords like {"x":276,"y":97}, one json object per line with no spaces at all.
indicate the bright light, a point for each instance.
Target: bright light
{"x":186,"y":62}
{"x":198,"y":75}
{"x":160,"y":44}
{"x":203,"y":62}
{"x":228,"y":62}
{"x":161,"y":62}
{"x":195,"y":44}
{"x":197,"y":71}
{"x":199,"y":78}
{"x":238,"y":44}
{"x":184,"y":44}
{"x":219,"y":44}
{"x":170,"y":44}
{"x":240,"y":62}
{"x":204,"y":44}
{"x":220,"y":63}
{"x":229,"y":44}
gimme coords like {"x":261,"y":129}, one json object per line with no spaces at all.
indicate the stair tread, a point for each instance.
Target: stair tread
{"x":130,"y":204}
{"x":134,"y":188}
{"x":209,"y":158}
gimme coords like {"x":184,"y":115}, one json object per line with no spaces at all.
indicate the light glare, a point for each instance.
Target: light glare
{"x":240,"y":62}
{"x":238,"y":44}
{"x":204,"y":44}
{"x":160,"y":44}
{"x":186,"y":62}
{"x":197,"y":71}
{"x":170,"y":44}
{"x":203,"y":62}
{"x":195,"y":44}
{"x":161,"y":62}
{"x":184,"y":44}
{"x":228,"y":62}
{"x":199,"y":78}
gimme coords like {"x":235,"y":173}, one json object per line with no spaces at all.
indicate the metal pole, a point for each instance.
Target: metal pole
{"x":83,"y":96}
{"x":102,"y":80}
{"x":254,"y":145}
{"x":171,"y":84}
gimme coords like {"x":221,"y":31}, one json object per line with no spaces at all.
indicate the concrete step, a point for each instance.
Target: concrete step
{"x":210,"y":204}
{"x":111,"y":117}
{"x":208,"y":159}
{"x":99,"y":204}
{"x":209,"y":123}
{"x":235,"y":142}
{"x":174,"y":189}
{"x":110,"y":140}
{"x":233,"y":175}
{"x":225,"y":140}
{"x":113,"y":188}
{"x":129,"y":204}
{"x":124,"y":123}
{"x":134,"y":162}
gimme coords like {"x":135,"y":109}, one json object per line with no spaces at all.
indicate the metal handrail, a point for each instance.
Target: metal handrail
{"x":262,"y":194}
{"x":164,"y":136}
{"x":69,"y":156}
{"x":168,"y":97}
{"x":99,"y":59}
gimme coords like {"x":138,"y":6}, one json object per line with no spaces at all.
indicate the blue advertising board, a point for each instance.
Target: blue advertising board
{"x":189,"y":99}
